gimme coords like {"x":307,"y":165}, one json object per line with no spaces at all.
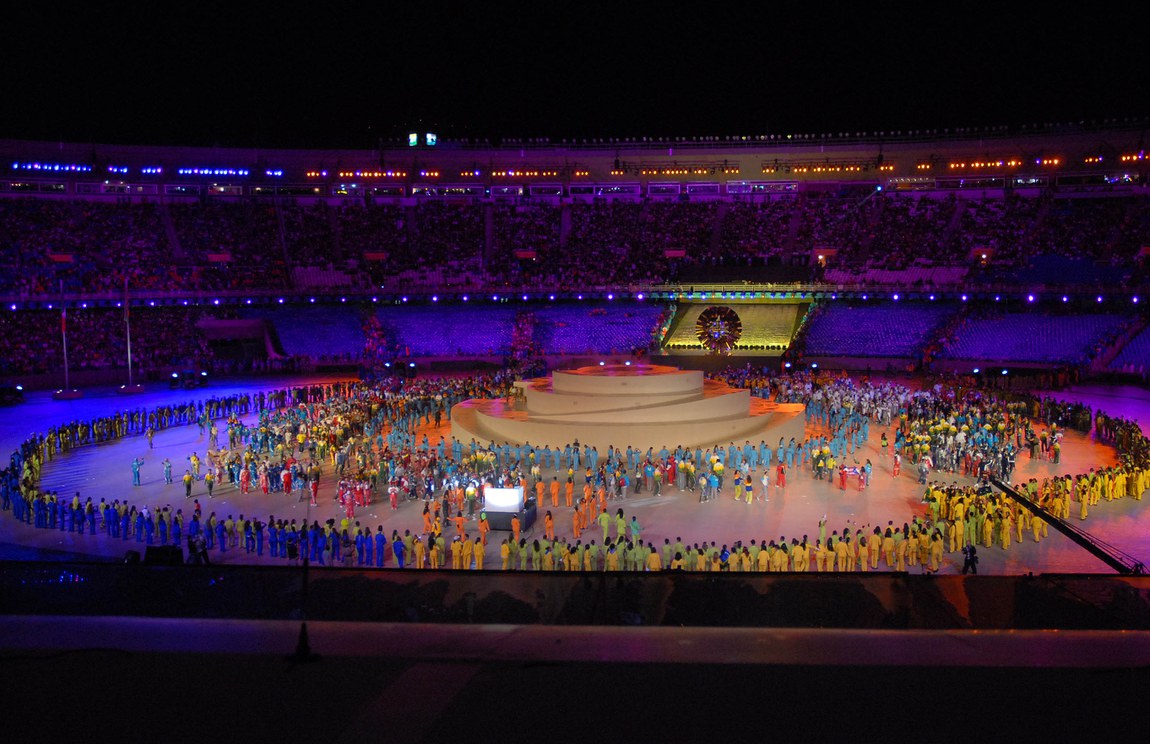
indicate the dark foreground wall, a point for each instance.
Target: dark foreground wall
{"x":864,"y":601}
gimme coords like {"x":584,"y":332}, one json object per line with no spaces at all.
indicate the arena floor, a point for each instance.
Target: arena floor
{"x":429,"y":682}
{"x":103,"y":471}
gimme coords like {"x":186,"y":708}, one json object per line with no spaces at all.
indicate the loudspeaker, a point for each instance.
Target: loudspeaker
{"x":164,"y":555}
{"x":132,"y":557}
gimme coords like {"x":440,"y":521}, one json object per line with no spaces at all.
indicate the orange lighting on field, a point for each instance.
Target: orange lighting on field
{"x":373,"y":174}
{"x":524,"y":173}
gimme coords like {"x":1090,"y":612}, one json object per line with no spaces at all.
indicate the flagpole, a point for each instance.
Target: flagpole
{"x":128,"y":327}
{"x":64,"y":335}
{"x":65,"y":393}
{"x":131,"y":387}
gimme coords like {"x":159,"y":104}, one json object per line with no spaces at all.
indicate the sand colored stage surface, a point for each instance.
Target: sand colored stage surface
{"x":621,"y":405}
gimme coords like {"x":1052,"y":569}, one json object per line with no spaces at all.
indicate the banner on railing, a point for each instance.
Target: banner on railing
{"x":220,"y":257}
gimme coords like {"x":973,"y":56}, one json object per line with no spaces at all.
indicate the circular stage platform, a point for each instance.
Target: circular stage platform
{"x":644,"y":405}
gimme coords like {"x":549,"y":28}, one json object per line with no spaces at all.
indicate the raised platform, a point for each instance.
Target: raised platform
{"x":618,"y":404}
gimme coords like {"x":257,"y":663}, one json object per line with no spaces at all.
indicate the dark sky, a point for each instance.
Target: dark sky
{"x":347,"y":74}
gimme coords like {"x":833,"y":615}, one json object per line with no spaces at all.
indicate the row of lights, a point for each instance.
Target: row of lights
{"x":1030,"y":298}
{"x":726,"y":169}
{"x":997,"y":298}
{"x":403,"y":299}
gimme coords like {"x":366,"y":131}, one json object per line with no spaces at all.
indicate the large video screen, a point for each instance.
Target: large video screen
{"x":503,"y":499}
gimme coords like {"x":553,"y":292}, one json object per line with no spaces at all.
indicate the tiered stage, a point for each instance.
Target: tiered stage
{"x":641,"y":405}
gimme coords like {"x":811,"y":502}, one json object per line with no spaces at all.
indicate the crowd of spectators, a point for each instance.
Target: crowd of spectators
{"x":48,"y":245}
{"x":32,"y":341}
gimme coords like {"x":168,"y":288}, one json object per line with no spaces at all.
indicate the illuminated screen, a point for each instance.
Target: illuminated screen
{"x":431,"y":139}
{"x":503,"y":499}
{"x":413,"y":139}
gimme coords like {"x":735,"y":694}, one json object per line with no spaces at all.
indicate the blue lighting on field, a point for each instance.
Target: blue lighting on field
{"x":52,"y":167}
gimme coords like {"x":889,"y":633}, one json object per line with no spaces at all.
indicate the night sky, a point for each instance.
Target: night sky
{"x":350,"y":74}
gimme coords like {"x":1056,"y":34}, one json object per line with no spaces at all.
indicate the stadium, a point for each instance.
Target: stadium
{"x":1003,"y":263}
{"x":400,"y":428}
